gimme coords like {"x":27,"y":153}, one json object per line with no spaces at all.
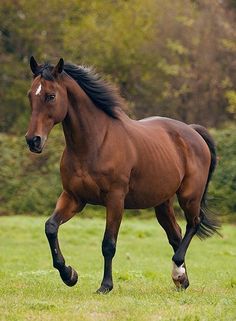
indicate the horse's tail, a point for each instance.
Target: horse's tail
{"x":209,"y":223}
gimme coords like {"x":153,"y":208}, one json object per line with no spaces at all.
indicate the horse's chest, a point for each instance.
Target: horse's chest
{"x":83,"y":185}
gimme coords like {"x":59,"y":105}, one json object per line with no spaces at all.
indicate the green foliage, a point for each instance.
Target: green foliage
{"x":171,"y":58}
{"x":30,"y":289}
{"x":31,"y":183}
{"x":231,"y":96}
{"x":223,"y":187}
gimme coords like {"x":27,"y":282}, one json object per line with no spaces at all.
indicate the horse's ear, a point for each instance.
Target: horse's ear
{"x":33,"y":65}
{"x":59,"y":67}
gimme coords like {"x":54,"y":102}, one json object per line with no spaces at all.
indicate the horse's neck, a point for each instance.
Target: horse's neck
{"x":85,"y":126}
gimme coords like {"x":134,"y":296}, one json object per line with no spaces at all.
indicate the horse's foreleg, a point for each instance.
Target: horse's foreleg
{"x":65,"y":209}
{"x":115,"y":207}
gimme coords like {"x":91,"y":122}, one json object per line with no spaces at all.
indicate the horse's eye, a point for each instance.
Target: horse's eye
{"x":50,"y":97}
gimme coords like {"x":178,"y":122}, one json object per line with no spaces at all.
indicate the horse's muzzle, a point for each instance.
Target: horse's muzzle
{"x":35,"y":144}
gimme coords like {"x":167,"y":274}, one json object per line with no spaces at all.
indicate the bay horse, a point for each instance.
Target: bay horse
{"x":120,"y":163}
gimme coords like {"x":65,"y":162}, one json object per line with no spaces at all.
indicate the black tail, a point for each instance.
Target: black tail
{"x":209,"y":223}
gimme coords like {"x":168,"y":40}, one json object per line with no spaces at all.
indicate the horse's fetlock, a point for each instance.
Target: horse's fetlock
{"x":58,"y":264}
{"x":177,"y":260}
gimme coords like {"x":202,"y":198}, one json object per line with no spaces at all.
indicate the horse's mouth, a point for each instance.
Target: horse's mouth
{"x":36,"y":150}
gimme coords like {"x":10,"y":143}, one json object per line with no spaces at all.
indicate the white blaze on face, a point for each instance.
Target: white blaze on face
{"x":178,"y":272}
{"x":38,"y":90}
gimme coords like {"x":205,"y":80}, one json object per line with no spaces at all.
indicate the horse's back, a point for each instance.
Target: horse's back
{"x":175,"y":132}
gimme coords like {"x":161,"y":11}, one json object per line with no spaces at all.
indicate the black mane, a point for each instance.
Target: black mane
{"x":104,"y":95}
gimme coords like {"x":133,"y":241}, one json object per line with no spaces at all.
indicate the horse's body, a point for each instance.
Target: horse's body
{"x":145,"y":184}
{"x":117,"y":162}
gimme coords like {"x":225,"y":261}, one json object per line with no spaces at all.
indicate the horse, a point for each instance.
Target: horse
{"x":119,"y":163}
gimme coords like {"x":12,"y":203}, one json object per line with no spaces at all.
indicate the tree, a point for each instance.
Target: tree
{"x":171,"y":58}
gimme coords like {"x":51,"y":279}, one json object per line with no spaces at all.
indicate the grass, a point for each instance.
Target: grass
{"x":30,"y":289}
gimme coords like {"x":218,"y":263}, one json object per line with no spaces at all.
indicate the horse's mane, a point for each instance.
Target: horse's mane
{"x":103,"y":94}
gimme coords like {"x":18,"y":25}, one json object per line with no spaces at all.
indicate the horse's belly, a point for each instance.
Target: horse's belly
{"x":145,"y":200}
{"x":152,"y":190}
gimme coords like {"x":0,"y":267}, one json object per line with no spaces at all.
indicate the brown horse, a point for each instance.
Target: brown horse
{"x":120,"y":163}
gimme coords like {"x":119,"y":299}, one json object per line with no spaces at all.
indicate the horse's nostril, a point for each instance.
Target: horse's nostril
{"x":34,"y":142}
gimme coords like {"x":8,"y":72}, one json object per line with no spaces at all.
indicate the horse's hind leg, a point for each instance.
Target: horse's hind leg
{"x":166,"y":217}
{"x":190,"y":203}
{"x":65,"y":209}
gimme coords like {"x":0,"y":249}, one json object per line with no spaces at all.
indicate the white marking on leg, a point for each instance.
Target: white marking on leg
{"x":178,"y":272}
{"x":38,"y":90}
{"x":72,"y":273}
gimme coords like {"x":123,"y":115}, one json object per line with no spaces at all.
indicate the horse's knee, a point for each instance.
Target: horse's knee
{"x":108,"y":248}
{"x":51,"y":229}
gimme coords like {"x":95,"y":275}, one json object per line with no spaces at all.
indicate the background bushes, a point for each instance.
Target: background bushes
{"x":171,"y":58}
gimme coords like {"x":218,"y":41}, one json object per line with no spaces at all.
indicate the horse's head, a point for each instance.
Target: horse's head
{"x":48,"y":101}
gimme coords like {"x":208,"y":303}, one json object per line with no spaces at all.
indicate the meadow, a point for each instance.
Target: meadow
{"x":30,"y":289}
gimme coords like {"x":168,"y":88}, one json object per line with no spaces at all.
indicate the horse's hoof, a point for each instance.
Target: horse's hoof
{"x":181,"y":283}
{"x":104,"y":289}
{"x":180,"y":277}
{"x":73,"y":277}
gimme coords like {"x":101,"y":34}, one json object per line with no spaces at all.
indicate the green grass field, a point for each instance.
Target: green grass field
{"x":30,"y":289}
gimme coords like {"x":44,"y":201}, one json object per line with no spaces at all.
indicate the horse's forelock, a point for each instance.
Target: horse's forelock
{"x":45,"y":71}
